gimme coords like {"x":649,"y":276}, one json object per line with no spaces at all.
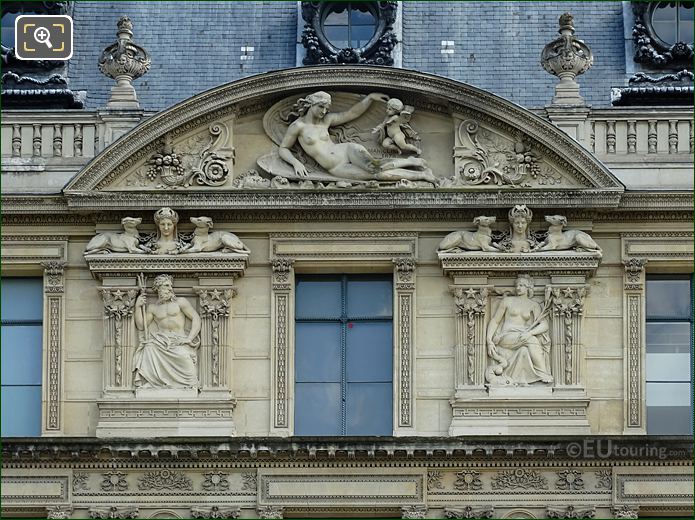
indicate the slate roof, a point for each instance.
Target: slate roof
{"x":197,"y":45}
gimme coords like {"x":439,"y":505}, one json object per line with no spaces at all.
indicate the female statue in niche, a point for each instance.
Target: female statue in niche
{"x":349,"y":161}
{"x":517,"y":339}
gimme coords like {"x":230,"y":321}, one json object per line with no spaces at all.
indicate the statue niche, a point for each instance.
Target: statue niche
{"x":167,"y":355}
{"x":317,"y":145}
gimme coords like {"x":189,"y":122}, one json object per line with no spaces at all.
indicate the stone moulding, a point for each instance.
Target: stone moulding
{"x":123,"y":264}
{"x":569,"y":262}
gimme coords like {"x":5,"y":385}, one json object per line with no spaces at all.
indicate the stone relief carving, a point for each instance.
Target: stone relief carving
{"x":270,"y":512}
{"x":250,"y":482}
{"x":308,"y":150}
{"x":483,"y":157}
{"x":215,"y":512}
{"x":113,"y":512}
{"x":58,"y":512}
{"x":166,"y":356}
{"x":566,"y":307}
{"x":163,"y":480}
{"x":519,"y":479}
{"x":559,"y":240}
{"x":480,"y":240}
{"x":395,"y":131}
{"x":434,"y":480}
{"x":625,"y":511}
{"x":570,"y":480}
{"x":471,"y":306}
{"x":414,"y":512}
{"x":519,"y":238}
{"x":114,"y":481}
{"x":201,"y":160}
{"x":80,"y":481}
{"x":215,"y":481}
{"x":604,"y":479}
{"x":518,"y":343}
{"x":650,"y":49}
{"x":634,"y":269}
{"x":468,"y":480}
{"x":469,"y":512}
{"x":129,"y":241}
{"x":571,"y":512}
{"x":118,"y":307}
{"x":167,"y":240}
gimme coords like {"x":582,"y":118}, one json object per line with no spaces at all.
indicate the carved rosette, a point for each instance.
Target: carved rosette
{"x":215,"y":352}
{"x":566,"y":311}
{"x":471,"y":305}
{"x":119,"y":337}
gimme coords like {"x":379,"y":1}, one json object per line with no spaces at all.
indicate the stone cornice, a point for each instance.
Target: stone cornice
{"x":652,"y":448}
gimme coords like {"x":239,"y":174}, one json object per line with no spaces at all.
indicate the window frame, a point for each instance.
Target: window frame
{"x":686,"y":318}
{"x":649,"y":48}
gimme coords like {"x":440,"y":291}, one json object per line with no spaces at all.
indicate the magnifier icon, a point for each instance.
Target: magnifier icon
{"x":42,"y":35}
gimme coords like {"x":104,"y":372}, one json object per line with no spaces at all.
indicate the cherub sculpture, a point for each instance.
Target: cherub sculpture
{"x":395,"y":128}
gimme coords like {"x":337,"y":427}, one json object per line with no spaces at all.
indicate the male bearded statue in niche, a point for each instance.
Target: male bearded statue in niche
{"x":166,"y":356}
{"x":517,"y":339}
{"x":348,"y":161}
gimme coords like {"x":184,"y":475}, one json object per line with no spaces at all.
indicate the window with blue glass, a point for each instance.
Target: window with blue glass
{"x":669,"y":355}
{"x":344,"y":355}
{"x":22,"y":317}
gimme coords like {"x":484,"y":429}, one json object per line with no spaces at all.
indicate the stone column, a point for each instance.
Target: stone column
{"x":282,"y":346}
{"x":634,"y":351}
{"x":54,"y":317}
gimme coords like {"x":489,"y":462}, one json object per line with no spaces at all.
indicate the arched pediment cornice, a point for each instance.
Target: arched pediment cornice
{"x":594,"y":185}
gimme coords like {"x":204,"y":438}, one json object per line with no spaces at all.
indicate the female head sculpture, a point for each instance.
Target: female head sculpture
{"x":519,"y":219}
{"x":166,"y":240}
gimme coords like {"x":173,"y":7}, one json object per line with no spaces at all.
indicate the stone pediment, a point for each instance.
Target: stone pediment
{"x":428,"y":141}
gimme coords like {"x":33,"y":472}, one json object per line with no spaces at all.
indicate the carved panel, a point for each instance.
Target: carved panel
{"x":215,"y":349}
{"x":470,"y":357}
{"x":566,"y":311}
{"x":54,"y":287}
{"x":282,"y":320}
{"x":404,"y":275}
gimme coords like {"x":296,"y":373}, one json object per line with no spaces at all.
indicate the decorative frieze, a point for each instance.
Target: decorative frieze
{"x":270,"y":512}
{"x":58,"y":512}
{"x":414,"y":512}
{"x":571,"y":512}
{"x":519,"y":478}
{"x":468,"y":480}
{"x":216,"y":512}
{"x":164,"y":480}
{"x":461,"y":512}
{"x":569,"y":480}
{"x":113,"y":512}
{"x":626,"y":511}
{"x":215,"y":481}
{"x":114,"y":481}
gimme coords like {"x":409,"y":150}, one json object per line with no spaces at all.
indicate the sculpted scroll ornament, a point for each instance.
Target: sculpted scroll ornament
{"x":519,"y":479}
{"x":270,"y":512}
{"x":414,"y":512}
{"x":215,"y":512}
{"x":625,"y":511}
{"x":58,"y":512}
{"x":468,"y":480}
{"x":113,"y":512}
{"x":571,"y":512}
{"x":164,"y":480}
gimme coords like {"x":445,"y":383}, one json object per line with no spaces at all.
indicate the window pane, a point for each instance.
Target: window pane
{"x":369,"y":351}
{"x":317,"y":409}
{"x":668,"y":394}
{"x":361,"y":34}
{"x":668,"y":367}
{"x":668,"y":298}
{"x":337,"y":16}
{"x":318,"y":297}
{"x":22,"y":299}
{"x":665,"y":337}
{"x":21,"y":355}
{"x":669,"y":420}
{"x":317,"y":352}
{"x":337,"y":35}
{"x":369,"y":409}
{"x":361,"y":15}
{"x":21,"y":411}
{"x":664,"y":22}
{"x":369,"y":297}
